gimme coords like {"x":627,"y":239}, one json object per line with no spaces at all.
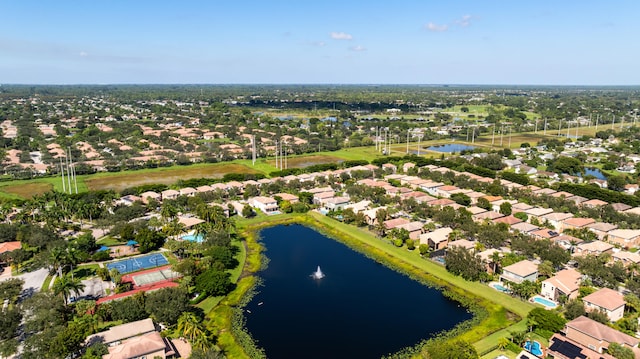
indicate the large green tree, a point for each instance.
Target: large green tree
{"x":166,"y":305}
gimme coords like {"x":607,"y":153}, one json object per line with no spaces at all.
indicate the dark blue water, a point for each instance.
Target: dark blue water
{"x":450,"y":148}
{"x":360,"y":309}
{"x":595,"y":173}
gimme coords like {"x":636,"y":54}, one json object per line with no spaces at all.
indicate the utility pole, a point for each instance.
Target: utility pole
{"x":64,"y":188}
{"x":545,"y":126}
{"x":407,"y":141}
{"x":277,"y":152}
{"x":559,"y":127}
{"x":509,"y":136}
{"x":253,"y":149}
{"x":597,"y":118}
{"x":613,"y":122}
{"x":493,"y":136}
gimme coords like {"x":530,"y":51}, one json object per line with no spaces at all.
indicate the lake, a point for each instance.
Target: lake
{"x":360,"y":309}
{"x":450,"y":148}
{"x":595,"y":173}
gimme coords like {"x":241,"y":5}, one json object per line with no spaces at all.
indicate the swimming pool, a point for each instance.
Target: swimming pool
{"x":546,"y":302}
{"x":533,"y":348}
{"x":500,"y":287}
{"x":193,"y":238}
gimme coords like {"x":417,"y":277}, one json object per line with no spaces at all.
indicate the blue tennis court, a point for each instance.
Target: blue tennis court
{"x":138,"y":263}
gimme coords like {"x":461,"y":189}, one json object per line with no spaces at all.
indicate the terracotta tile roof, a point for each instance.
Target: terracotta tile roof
{"x":9,"y":246}
{"x":605,"y":298}
{"x":600,"y":331}
{"x":522,"y":268}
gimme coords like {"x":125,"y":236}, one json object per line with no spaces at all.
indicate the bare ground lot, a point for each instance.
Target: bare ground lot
{"x":167,"y":176}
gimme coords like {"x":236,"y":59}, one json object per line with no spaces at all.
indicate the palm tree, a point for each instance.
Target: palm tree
{"x":56,"y":258}
{"x":190,"y":327}
{"x":66,"y":285}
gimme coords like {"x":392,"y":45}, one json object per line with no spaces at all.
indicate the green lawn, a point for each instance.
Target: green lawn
{"x":85,"y":271}
{"x":109,"y":241}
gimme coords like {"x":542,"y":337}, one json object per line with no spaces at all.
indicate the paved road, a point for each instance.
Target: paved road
{"x":33,"y":281}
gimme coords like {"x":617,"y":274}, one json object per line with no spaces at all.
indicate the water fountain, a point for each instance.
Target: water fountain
{"x":318,"y":274}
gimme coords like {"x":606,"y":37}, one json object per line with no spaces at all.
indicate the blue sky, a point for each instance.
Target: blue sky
{"x":339,"y":42}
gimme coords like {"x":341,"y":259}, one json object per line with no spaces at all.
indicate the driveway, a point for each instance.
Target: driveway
{"x":32,"y":281}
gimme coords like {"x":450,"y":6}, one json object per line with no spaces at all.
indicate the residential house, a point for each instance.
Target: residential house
{"x":390,"y":167}
{"x":601,"y":229}
{"x":564,"y":283}
{"x":520,"y":271}
{"x":128,"y":200}
{"x":292,"y":198}
{"x":335,"y":203}
{"x":634,"y":210}
{"x":169,"y":194}
{"x":118,"y":333}
{"x":431,"y":187}
{"x":509,"y":220}
{"x":436,"y":239}
{"x":359,"y":206}
{"x":524,"y":227}
{"x":556,"y":219}
{"x":319,"y":198}
{"x":577,"y":223}
{"x":626,"y":258}
{"x":463,"y":243}
{"x":370,"y":215}
{"x":625,"y":237}
{"x":407,"y":166}
{"x":150,"y":345}
{"x":607,"y":300}
{"x":488,"y":215}
{"x":567,"y":242}
{"x":188,"y":191}
{"x":445,"y":191}
{"x":578,"y":200}
{"x":7,"y":247}
{"x":620,"y":207}
{"x":267,"y":205}
{"x":414,"y":228}
{"x":395,"y":222}
{"x":189,"y":222}
{"x":537,"y":213}
{"x":495,"y":205}
{"x":593,"y":203}
{"x":561,"y":347}
{"x":595,"y":248}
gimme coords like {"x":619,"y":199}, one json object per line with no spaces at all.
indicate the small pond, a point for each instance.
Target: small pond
{"x":451,"y":148}
{"x":321,"y":299}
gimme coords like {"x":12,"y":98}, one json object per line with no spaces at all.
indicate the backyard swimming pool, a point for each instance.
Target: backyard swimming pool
{"x":500,"y":287}
{"x":546,"y":302}
{"x":193,"y":238}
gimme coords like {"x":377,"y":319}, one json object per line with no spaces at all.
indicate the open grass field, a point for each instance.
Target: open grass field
{"x":26,"y":190}
{"x":306,"y":161}
{"x":170,"y":175}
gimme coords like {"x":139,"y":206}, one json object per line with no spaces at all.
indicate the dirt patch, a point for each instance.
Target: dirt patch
{"x":28,"y":190}
{"x":164,"y":176}
{"x":301,"y":162}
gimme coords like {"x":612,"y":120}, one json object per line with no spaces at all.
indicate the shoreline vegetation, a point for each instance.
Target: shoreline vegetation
{"x":494,"y":313}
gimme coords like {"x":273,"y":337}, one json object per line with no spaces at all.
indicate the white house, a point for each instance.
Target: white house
{"x":267,"y":205}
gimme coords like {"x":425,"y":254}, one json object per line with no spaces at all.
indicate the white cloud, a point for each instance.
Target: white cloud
{"x":436,"y":28}
{"x":318,"y":43}
{"x":83,"y":54}
{"x":464,"y":21}
{"x":341,"y":36}
{"x":357,"y":48}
